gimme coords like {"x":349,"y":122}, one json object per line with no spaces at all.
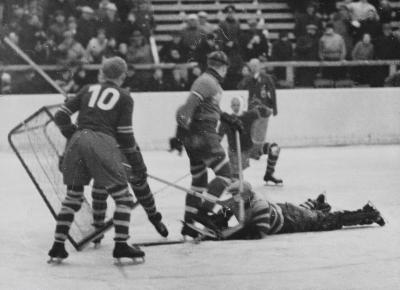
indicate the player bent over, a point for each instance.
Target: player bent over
{"x":137,"y":178}
{"x":249,"y":149}
{"x":197,"y":128}
{"x":265,"y":218}
{"x":104,"y":124}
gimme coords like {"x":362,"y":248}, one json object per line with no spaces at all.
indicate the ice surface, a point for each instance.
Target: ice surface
{"x":366,"y":258}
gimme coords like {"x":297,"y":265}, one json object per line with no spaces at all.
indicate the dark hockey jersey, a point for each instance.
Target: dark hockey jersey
{"x":103,"y":108}
{"x":246,"y":142}
{"x":201,"y":110}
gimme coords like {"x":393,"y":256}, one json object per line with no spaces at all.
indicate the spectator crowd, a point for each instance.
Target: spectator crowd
{"x":73,"y":33}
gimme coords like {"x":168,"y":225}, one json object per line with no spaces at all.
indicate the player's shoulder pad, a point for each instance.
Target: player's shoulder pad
{"x":204,"y":85}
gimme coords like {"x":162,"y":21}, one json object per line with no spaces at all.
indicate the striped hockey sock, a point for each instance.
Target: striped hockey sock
{"x":122,"y":214}
{"x":145,"y":197}
{"x":99,"y":206}
{"x":71,"y":204}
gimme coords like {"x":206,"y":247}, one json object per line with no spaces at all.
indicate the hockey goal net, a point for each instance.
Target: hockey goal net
{"x":38,"y":143}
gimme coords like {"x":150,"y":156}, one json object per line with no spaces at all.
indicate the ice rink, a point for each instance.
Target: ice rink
{"x":362,"y":258}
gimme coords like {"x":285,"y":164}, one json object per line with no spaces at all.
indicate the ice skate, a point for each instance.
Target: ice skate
{"x":271,"y":178}
{"x":377,"y":217}
{"x":188,"y":231}
{"x":123,"y":250}
{"x":57,"y":253}
{"x":159,"y":225}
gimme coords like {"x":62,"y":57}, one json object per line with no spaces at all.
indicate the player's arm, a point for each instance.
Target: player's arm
{"x":62,"y":118}
{"x":201,"y":90}
{"x":272,"y":89}
{"x":125,"y":137}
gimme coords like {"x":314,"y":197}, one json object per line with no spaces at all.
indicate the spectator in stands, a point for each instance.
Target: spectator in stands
{"x":111,"y":22}
{"x":177,"y":81}
{"x":387,"y":46}
{"x":173,"y":51}
{"x":157,"y":83}
{"x":132,"y":82}
{"x":97,"y":47}
{"x":29,"y":82}
{"x":307,"y":50}
{"x":385,"y":11}
{"x":112,"y":49}
{"x":282,"y":50}
{"x":58,"y":27}
{"x":229,"y":28}
{"x":32,"y":30}
{"x":44,"y":50}
{"x":17,"y":20}
{"x":207,"y":45}
{"x":332,"y":48}
{"x":66,"y":6}
{"x":72,"y":25}
{"x":65,"y":80}
{"x":363,"y":50}
{"x":233,"y":76}
{"x":253,"y":42}
{"x":139,"y":50}
{"x":122,"y":50}
{"x":304,"y":19}
{"x":370,"y":25}
{"x":7,"y":55}
{"x":205,"y":26}
{"x":359,"y":10}
{"x":194,"y":73}
{"x":86,"y":26}
{"x":331,"y":45}
{"x":341,"y":21}
{"x":191,"y":34}
{"x":102,"y":8}
{"x":128,"y":27}
{"x":144,"y":17}
{"x":70,"y":50}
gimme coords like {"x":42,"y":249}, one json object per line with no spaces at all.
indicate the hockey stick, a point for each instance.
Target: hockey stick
{"x":206,"y":197}
{"x":238,"y":198}
{"x":37,"y":68}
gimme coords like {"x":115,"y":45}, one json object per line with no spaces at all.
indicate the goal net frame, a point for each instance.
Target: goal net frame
{"x":44,"y":172}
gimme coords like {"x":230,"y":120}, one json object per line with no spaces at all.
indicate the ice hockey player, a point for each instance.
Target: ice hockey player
{"x":197,"y":128}
{"x":261,"y":88}
{"x":249,"y":149}
{"x":104,"y":123}
{"x":265,"y":218}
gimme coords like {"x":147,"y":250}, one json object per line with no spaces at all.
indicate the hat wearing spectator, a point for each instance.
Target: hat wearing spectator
{"x":205,"y":26}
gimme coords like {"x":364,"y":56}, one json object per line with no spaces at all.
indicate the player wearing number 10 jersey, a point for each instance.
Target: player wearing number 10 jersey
{"x":93,"y":151}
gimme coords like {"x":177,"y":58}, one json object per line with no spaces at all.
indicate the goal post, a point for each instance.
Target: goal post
{"x":38,"y":143}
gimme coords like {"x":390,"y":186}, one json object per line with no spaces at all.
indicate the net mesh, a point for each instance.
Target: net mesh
{"x":39,"y":143}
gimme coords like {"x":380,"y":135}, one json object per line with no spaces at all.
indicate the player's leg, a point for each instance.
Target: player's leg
{"x":273,"y":151}
{"x":137,"y":176}
{"x":71,"y":204}
{"x":99,"y":208}
{"x":199,"y":174}
{"x":75,"y":175}
{"x":105,"y":164}
{"x":365,"y":216}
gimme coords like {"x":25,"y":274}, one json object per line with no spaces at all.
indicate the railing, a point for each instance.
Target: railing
{"x":289,"y":65}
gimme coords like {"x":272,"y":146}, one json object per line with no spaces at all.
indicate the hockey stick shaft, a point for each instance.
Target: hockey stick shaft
{"x":37,"y":68}
{"x":240,"y":169}
{"x":189,"y":191}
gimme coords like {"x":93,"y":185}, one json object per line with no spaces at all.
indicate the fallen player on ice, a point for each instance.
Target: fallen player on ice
{"x":263,"y":218}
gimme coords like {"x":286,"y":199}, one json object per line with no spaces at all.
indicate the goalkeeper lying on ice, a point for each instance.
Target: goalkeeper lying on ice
{"x":265,"y":218}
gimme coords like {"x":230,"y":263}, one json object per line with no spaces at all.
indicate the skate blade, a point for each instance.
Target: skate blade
{"x":119,"y":262}
{"x":55,"y":261}
{"x":271,"y":184}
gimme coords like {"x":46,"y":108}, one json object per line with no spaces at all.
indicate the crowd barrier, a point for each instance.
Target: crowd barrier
{"x":307,"y":117}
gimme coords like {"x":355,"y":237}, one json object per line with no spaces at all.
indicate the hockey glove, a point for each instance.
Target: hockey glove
{"x":264,"y":111}
{"x":232,"y":121}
